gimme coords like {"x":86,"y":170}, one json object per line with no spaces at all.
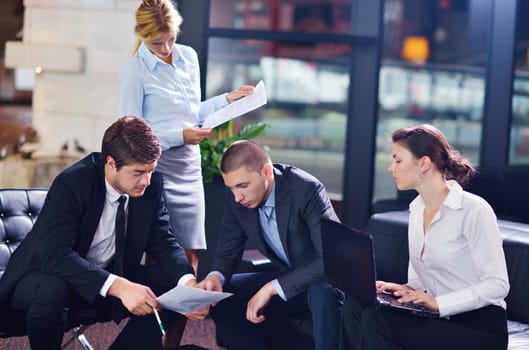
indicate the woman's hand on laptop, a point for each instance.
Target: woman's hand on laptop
{"x":421,"y":298}
{"x":393,"y":288}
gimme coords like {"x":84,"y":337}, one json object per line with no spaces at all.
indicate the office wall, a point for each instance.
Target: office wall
{"x":80,"y":45}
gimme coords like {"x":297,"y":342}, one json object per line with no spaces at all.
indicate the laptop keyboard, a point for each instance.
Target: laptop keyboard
{"x":390,"y":299}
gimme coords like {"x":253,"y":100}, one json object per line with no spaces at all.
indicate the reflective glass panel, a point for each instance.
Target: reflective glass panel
{"x":307,"y":99}
{"x":519,"y":146}
{"x":313,"y":16}
{"x":432,"y":71}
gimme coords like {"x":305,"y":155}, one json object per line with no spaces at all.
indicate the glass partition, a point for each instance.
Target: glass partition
{"x":451,"y":99}
{"x":307,"y":100}
{"x":519,"y":145}
{"x":321,"y":16}
{"x":433,"y":71}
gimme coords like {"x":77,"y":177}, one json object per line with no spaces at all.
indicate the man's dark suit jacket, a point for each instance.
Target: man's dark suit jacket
{"x":61,"y":237}
{"x":301,"y":201}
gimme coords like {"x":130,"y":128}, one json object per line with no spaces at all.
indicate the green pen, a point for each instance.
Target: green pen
{"x":159,"y":321}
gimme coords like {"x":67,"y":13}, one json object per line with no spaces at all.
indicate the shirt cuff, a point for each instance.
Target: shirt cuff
{"x":106,"y":286}
{"x":173,"y":139}
{"x":279,"y":290}
{"x":224,"y":102}
{"x":218,"y":273}
{"x":185,"y":278}
{"x":455,"y":303}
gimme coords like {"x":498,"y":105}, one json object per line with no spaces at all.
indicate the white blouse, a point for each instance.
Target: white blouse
{"x":462,"y":263}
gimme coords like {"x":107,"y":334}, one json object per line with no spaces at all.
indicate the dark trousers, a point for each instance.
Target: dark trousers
{"x":320,"y":301}
{"x":44,"y":297}
{"x":366,"y":327}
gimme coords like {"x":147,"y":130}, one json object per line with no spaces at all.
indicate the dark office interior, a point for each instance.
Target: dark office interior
{"x":341,"y":76}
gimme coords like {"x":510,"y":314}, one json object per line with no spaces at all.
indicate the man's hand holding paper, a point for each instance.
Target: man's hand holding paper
{"x":184,"y":299}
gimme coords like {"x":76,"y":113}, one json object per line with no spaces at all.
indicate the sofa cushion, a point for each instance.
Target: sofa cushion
{"x":516,"y":247}
{"x":19,"y":208}
{"x":390,"y":244}
{"x":518,"y":335}
{"x":506,"y":189}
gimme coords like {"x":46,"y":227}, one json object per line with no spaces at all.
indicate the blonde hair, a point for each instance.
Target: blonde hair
{"x":155,"y":17}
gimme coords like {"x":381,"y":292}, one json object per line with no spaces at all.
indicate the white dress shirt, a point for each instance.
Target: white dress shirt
{"x":462,"y":262}
{"x":103,"y":246}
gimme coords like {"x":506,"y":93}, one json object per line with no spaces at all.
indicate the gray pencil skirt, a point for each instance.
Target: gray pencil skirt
{"x":184,"y":194}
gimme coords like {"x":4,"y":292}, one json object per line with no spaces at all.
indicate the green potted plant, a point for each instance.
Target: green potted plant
{"x":212,"y":148}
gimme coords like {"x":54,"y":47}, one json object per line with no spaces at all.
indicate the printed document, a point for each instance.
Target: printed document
{"x":184,"y":299}
{"x":238,"y":107}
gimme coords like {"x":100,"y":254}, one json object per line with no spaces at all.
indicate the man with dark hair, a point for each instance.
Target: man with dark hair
{"x":279,"y":207}
{"x":85,"y":250}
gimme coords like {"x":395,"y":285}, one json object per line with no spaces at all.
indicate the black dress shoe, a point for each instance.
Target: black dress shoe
{"x":188,"y":347}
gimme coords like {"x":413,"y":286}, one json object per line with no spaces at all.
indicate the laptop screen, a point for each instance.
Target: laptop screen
{"x":348,"y":260}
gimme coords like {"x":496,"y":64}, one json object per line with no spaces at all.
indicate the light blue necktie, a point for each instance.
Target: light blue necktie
{"x":268,"y":211}
{"x":271,"y":233}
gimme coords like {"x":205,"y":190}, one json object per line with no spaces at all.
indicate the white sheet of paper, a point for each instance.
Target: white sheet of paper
{"x":238,"y":108}
{"x":184,"y":299}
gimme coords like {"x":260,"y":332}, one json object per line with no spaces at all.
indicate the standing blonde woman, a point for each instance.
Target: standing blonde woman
{"x":161,"y":83}
{"x":456,"y":267}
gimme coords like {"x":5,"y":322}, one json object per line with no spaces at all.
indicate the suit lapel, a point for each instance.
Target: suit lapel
{"x":136,"y":222}
{"x":95,"y":203}
{"x":254,"y":228}
{"x":283,"y":205}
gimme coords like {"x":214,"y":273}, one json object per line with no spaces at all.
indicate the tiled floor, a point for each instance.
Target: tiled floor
{"x":101,"y":335}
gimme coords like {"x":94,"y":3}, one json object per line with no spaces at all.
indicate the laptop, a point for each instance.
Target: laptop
{"x":349,"y":263}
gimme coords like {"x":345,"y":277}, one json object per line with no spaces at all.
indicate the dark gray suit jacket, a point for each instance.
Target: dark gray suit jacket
{"x":301,"y":201}
{"x":63,"y":232}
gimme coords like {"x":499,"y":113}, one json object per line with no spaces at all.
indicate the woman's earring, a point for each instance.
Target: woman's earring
{"x":421,"y":175}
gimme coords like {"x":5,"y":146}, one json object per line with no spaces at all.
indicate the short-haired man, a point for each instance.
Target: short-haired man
{"x":74,"y":258}
{"x":279,"y":207}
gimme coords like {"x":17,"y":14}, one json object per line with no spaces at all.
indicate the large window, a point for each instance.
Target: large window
{"x":307,"y":79}
{"x":436,"y":66}
{"x":433,"y":71}
{"x":314,"y":16}
{"x":519,"y":146}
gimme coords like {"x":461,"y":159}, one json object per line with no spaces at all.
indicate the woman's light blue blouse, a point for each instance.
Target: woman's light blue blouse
{"x":166,"y":95}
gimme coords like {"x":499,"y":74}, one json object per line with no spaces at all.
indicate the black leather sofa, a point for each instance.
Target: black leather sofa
{"x":507,"y":190}
{"x":18,"y":211}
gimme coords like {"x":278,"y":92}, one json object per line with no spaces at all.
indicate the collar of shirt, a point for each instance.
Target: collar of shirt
{"x":454,"y":199}
{"x":151,"y":60}
{"x":271,"y":201}
{"x":112,"y":195}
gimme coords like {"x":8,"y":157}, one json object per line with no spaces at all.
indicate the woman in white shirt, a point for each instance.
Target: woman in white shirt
{"x":161,"y":83}
{"x":456,"y":267}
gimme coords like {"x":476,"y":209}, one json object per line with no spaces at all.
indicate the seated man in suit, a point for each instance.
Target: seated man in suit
{"x":280,"y":207}
{"x":85,"y":250}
